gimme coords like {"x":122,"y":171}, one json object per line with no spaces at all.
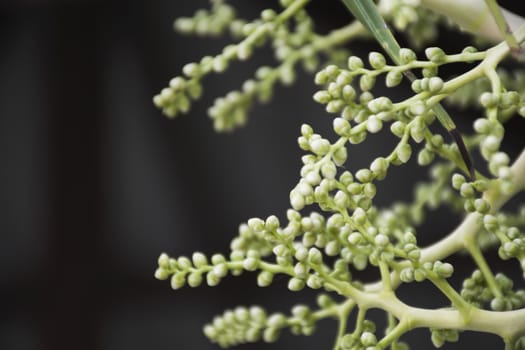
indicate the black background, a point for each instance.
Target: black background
{"x":95,"y":182}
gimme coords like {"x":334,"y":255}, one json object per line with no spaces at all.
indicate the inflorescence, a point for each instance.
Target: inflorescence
{"x":345,"y":231}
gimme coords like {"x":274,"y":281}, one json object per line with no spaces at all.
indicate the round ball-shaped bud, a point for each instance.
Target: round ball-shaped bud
{"x":393,"y":78}
{"x":314,"y":282}
{"x":482,"y":125}
{"x":457,"y":181}
{"x":435,"y":54}
{"x":407,"y":275}
{"x":435,"y":85}
{"x":194,"y":279}
{"x":322,"y":97}
{"x":296,"y":284}
{"x":364,"y":175}
{"x":355,"y":63}
{"x":420,"y":275}
{"x":425,"y":157}
{"x":374,"y":124}
{"x":467,"y":190}
{"x":404,"y":152}
{"x":341,"y":127}
{"x":199,"y":260}
{"x":348,"y":93}
{"x":444,"y":270}
{"x":481,"y":206}
{"x":314,"y":256}
{"x":264,"y":278}
{"x":359,"y":216}
{"x":368,"y":339}
{"x":367,"y":82}
{"x":377,"y":60}
{"x":379,"y":166}
{"x":320,"y":146}
{"x":407,"y":55}
{"x":489,"y":99}
{"x":381,"y":240}
{"x":398,"y":128}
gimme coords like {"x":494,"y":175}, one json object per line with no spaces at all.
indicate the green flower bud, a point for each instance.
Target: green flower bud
{"x":194,"y":279}
{"x":271,"y":334}
{"x":199,"y":260}
{"x":404,"y":152}
{"x":341,"y":127}
{"x":329,"y":170}
{"x":407,"y":275}
{"x":457,"y":181}
{"x":320,"y":146}
{"x":348,"y":93}
{"x":355,"y":63}
{"x":489,"y":100}
{"x":374,"y":124}
{"x":161,"y":274}
{"x":335,"y":106}
{"x":406,"y":55}
{"x":178,"y":280}
{"x":420,"y":275}
{"x":314,"y":256}
{"x":435,"y":54}
{"x":416,"y":86}
{"x":368,"y":339}
{"x":481,"y":206}
{"x":295,"y":284}
{"x":364,"y":175}
{"x":360,"y":262}
{"x":467,"y":190}
{"x":425,"y":157}
{"x":435,"y":85}
{"x":220,"y":63}
{"x":321,"y":78}
{"x":377,"y":60}
{"x":322,"y":96}
{"x":398,"y":128}
{"x":272,"y":222}
{"x":340,"y":155}
{"x":314,"y":282}
{"x":367,"y":82}
{"x":359,"y":216}
{"x":264,"y":279}
{"x":393,"y":78}
{"x":244,"y":51}
{"x":381,"y":240}
{"x":164,"y":261}
{"x":444,"y":270}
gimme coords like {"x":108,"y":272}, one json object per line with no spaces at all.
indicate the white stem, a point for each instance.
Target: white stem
{"x":474,"y":16}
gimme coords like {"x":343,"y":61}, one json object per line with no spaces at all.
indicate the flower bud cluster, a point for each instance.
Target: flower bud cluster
{"x":230,"y":111}
{"x":366,"y":339}
{"x":213,"y":22}
{"x":419,"y":273}
{"x":469,"y":191}
{"x":476,"y":291}
{"x":440,"y":336}
{"x":512,"y":240}
{"x":249,"y":325}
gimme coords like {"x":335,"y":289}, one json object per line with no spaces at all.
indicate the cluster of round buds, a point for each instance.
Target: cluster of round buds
{"x":249,"y":325}
{"x":248,"y":239}
{"x":437,"y":269}
{"x":440,"y":336}
{"x":211,"y":22}
{"x":469,"y":191}
{"x":197,"y":269}
{"x":476,"y":291}
{"x":365,"y":340}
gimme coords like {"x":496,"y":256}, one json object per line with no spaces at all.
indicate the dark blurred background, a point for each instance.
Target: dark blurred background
{"x":95,"y":183}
